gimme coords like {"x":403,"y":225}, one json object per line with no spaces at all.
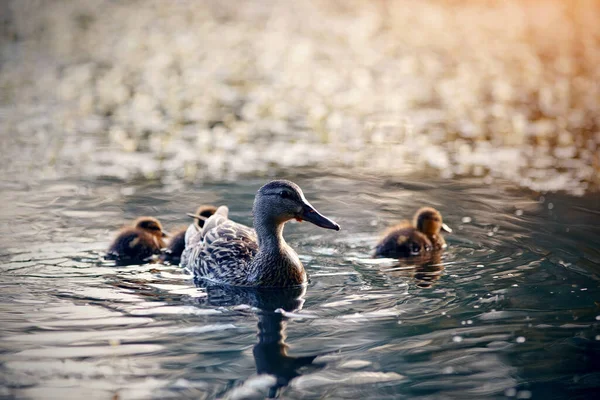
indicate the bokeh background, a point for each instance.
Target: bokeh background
{"x":209,"y":90}
{"x":486,"y":110}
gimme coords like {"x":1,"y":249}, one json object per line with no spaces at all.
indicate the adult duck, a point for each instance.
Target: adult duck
{"x":226,"y":252}
{"x":172,"y":253}
{"x":139,"y":242}
{"x":409,"y":239}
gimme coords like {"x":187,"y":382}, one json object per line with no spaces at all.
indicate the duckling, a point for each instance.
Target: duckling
{"x":226,"y":252}
{"x":139,"y":242}
{"x":172,"y":253}
{"x":411,"y":239}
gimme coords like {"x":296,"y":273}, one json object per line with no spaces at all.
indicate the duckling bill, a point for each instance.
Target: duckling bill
{"x":172,"y":253}
{"x":139,"y":242}
{"x":227,"y":252}
{"x":414,"y":238}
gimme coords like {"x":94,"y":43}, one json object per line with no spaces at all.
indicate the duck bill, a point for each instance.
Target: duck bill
{"x":446,"y":228}
{"x":313,"y":216}
{"x":196,"y":216}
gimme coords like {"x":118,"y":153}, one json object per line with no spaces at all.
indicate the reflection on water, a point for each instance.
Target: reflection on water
{"x":271,"y":351}
{"x":510,"y":309}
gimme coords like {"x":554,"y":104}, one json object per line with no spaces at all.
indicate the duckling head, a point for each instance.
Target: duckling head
{"x":429,"y":221}
{"x":202,"y":214}
{"x":280,"y":201}
{"x":150,"y":225}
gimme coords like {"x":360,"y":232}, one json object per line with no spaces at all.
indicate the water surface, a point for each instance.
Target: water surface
{"x":510,"y":310}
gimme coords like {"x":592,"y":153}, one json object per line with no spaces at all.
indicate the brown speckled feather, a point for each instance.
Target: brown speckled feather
{"x":222,"y":251}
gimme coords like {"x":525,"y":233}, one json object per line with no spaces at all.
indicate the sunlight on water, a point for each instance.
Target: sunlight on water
{"x":509,"y":310}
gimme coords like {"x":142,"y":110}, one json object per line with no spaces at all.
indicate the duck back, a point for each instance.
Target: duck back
{"x":221,"y":251}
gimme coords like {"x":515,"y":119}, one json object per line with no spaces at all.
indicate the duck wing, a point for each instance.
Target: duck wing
{"x":221,"y":251}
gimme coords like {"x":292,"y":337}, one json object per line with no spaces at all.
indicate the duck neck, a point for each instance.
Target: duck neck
{"x":270,"y":236}
{"x":276,"y":264}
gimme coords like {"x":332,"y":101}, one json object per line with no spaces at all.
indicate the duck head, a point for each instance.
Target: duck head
{"x":429,"y":221}
{"x":280,"y":201}
{"x":202,"y":214}
{"x":152,"y":226}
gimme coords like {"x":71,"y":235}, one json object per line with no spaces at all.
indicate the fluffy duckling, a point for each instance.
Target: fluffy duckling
{"x":414,"y":238}
{"x":172,"y":254}
{"x":139,"y":242}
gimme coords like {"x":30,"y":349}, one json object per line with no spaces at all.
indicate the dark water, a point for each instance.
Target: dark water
{"x":511,"y":310}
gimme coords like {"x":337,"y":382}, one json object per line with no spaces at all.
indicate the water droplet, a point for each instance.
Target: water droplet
{"x":466,"y":220}
{"x":597,"y":317}
{"x":469,"y":322}
{"x":521,"y":339}
{"x":550,"y":206}
{"x":479,"y":265}
{"x":518,"y":213}
{"x":448,"y":370}
{"x":597,"y":337}
{"x":511,"y":392}
{"x":583,"y":289}
{"x":127,"y":191}
{"x":457,"y":339}
{"x":490,"y":233}
{"x":524,"y":394}
{"x":463,"y":322}
{"x":515,"y":285}
{"x":443,"y":312}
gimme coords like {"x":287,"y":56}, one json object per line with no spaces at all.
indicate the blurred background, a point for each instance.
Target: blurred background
{"x":486,"y":110}
{"x":208,"y":91}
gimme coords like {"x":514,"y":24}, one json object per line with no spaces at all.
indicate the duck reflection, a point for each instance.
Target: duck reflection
{"x":425,"y":270}
{"x":271,"y":351}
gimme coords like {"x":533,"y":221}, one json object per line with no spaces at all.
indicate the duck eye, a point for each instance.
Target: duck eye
{"x":285,"y":194}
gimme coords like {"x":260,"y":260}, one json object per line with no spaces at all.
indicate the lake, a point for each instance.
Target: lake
{"x":511,"y":309}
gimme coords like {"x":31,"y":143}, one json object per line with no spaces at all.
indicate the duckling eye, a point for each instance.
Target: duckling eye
{"x":285,"y":194}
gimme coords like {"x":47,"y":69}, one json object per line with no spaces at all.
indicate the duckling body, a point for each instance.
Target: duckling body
{"x":227,"y":252}
{"x":172,"y":253}
{"x":413,"y":239}
{"x":403,"y":240}
{"x":175,"y":247}
{"x":139,"y":242}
